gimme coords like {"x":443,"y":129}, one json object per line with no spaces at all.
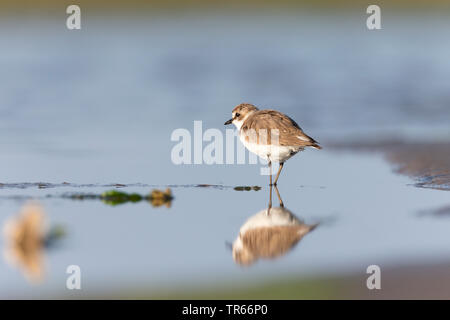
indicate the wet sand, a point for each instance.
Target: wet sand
{"x":437,"y":212}
{"x":408,"y":281}
{"x":427,"y":163}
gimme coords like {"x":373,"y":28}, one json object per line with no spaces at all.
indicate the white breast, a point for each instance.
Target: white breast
{"x":274,"y":153}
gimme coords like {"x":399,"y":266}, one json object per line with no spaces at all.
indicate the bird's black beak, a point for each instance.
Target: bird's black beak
{"x":228,"y":122}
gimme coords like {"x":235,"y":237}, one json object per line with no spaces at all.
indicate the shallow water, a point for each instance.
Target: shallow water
{"x":367,"y":215}
{"x":97,"y":108}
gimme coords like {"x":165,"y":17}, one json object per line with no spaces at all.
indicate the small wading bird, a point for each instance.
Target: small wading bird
{"x":270,"y":134}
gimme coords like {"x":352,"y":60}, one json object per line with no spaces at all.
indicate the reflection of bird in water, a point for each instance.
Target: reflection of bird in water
{"x":269,"y":234}
{"x":25,"y":239}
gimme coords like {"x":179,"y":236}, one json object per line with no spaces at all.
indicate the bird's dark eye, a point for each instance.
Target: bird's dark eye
{"x":237,"y":115}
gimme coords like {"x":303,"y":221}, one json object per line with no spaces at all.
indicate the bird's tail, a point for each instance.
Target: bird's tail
{"x":315,"y":145}
{"x":306,"y":141}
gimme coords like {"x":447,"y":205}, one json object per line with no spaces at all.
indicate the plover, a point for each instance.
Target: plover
{"x":270,"y":134}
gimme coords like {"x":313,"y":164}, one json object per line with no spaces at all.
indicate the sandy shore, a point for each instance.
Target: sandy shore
{"x":409,"y":281}
{"x":427,"y":163}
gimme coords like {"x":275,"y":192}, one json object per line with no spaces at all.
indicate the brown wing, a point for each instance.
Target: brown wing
{"x":289,"y":132}
{"x":272,"y":242}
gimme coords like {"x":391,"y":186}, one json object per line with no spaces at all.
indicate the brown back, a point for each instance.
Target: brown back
{"x":288,"y":130}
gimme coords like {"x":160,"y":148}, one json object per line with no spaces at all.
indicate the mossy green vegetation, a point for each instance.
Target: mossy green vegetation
{"x":156,"y":198}
{"x":114,"y":197}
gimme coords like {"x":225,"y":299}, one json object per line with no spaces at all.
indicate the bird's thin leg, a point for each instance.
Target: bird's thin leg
{"x":278,"y":174}
{"x":270,"y":172}
{"x":270,"y":201}
{"x":279,"y":197}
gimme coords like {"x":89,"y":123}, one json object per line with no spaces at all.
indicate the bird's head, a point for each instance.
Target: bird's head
{"x":240,"y":113}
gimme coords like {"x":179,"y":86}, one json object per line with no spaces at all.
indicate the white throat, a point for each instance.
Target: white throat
{"x":238,"y":124}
